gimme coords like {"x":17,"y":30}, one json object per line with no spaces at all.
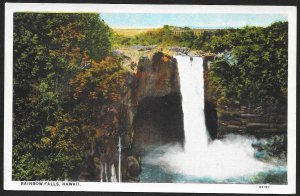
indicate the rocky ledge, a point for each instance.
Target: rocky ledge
{"x":243,"y":120}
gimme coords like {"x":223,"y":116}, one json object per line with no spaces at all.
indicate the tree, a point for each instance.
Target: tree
{"x":49,"y":50}
{"x":103,"y":85}
{"x":257,"y":71}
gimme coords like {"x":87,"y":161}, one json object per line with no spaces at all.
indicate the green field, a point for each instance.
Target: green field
{"x":132,"y":32}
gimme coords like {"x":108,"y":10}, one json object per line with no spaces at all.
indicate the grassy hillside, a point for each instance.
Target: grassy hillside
{"x":161,"y":36}
{"x":132,"y":32}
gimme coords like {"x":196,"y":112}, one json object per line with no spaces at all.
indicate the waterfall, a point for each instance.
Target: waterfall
{"x":108,"y":172}
{"x":230,"y":157}
{"x":113,"y":174}
{"x":192,"y":90}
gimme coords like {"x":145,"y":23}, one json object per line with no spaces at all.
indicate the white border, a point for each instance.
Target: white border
{"x":290,"y":11}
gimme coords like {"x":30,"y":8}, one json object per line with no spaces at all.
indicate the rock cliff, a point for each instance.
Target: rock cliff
{"x":150,"y":113}
{"x":156,"y":77}
{"x":158,"y":118}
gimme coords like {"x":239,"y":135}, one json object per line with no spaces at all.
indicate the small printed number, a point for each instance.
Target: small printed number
{"x":264,"y":186}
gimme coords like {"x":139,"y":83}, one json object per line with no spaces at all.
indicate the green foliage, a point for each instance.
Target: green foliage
{"x":49,"y":50}
{"x":186,"y":39}
{"x":162,"y":37}
{"x":99,"y":87}
{"x":254,"y":67}
{"x":277,"y":176}
{"x":55,"y":156}
{"x":201,"y":41}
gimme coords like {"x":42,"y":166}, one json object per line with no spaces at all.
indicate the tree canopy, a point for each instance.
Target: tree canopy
{"x":254,"y":65}
{"x":49,"y":50}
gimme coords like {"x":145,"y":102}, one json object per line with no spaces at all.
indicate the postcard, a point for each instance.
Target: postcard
{"x":150,"y":98}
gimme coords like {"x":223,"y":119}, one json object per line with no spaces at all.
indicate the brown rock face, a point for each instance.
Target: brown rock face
{"x":158,"y":118}
{"x":156,"y":77}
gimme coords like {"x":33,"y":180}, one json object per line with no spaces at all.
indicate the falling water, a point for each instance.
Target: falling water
{"x":192,"y":90}
{"x":228,"y":158}
{"x":107,"y":168}
{"x":113,"y":173}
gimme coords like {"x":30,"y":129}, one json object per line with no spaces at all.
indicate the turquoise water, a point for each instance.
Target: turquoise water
{"x":154,"y":172}
{"x":158,"y":174}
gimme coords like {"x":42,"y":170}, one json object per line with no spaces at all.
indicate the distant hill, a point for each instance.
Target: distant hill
{"x":132,"y":32}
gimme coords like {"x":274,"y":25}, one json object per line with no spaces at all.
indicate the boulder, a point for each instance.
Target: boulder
{"x":131,"y":169}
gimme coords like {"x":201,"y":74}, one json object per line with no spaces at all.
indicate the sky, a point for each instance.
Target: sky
{"x":150,"y":20}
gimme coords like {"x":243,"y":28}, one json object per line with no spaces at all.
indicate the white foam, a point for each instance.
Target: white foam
{"x":226,"y":158}
{"x":221,"y":159}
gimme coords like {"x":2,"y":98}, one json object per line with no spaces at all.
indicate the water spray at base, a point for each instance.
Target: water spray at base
{"x":230,"y":157}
